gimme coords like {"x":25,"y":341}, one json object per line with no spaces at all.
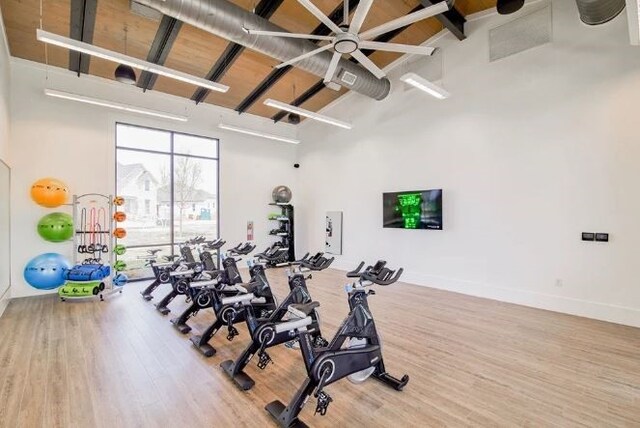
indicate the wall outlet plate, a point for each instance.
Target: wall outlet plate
{"x":602,"y":237}
{"x":588,"y":236}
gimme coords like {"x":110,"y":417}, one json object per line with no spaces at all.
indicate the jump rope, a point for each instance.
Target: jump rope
{"x":92,"y":240}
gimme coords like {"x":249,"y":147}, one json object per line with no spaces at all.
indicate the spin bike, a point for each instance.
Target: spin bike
{"x":268,"y":332}
{"x":160,"y":271}
{"x":204,"y":270}
{"x":276,"y":255}
{"x":362,"y":356}
{"x":201,"y":293}
{"x":230,"y":310}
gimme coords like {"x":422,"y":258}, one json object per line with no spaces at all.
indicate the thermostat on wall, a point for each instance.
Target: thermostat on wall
{"x":602,"y":237}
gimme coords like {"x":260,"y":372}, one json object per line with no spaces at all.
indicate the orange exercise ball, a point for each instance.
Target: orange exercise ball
{"x":49,"y":192}
{"x":119,"y":216}
{"x":118,"y":201}
{"x":119,"y":233}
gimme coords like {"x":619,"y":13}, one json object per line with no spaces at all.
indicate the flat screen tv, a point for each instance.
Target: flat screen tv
{"x":418,"y":209}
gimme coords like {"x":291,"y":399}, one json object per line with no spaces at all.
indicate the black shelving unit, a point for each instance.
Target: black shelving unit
{"x":284,"y":231}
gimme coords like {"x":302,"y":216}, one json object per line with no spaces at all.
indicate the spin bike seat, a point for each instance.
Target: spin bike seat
{"x":302,"y":310}
{"x":251,"y":287}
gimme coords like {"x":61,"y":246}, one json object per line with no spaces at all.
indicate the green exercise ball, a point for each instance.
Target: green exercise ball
{"x":56,"y":227}
{"x":119,"y":249}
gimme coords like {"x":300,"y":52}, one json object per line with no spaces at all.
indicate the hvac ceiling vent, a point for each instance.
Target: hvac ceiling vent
{"x":348,"y":78}
{"x":145,"y":11}
{"x":529,"y":31}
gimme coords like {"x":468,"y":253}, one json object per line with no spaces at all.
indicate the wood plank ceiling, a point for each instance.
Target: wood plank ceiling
{"x":197,"y":52}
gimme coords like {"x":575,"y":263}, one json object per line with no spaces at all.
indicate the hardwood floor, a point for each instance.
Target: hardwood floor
{"x":472,"y":362}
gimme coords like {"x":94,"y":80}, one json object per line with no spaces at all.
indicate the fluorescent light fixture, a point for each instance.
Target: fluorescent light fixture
{"x":424,"y":85}
{"x":113,"y":105}
{"x":306,"y":113}
{"x":258,"y":133}
{"x":86,"y":48}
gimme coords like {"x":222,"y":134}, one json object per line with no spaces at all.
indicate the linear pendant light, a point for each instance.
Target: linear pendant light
{"x":258,"y":133}
{"x":306,"y":113}
{"x":113,"y":105}
{"x":86,"y":48}
{"x":424,"y":85}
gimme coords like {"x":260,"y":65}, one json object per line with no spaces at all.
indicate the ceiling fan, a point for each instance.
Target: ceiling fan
{"x":347,"y":38}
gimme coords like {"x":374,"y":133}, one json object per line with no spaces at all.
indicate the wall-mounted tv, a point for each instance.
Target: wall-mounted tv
{"x":419,"y":209}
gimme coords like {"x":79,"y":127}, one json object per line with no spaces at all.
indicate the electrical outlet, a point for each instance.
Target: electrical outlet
{"x":559,"y":282}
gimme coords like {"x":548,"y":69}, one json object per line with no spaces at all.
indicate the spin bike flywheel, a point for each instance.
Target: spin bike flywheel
{"x":362,"y":375}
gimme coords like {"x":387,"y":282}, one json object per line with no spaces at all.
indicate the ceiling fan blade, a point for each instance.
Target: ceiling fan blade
{"x":321,"y":16}
{"x":425,"y":13}
{"x":368,"y":64}
{"x":333,"y":86}
{"x":333,"y":65}
{"x":289,"y":35}
{"x":359,"y":16}
{"x":305,"y":55}
{"x":395,"y":47}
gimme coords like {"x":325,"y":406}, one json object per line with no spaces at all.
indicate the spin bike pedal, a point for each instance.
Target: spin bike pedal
{"x":324,"y":400}
{"x":263,"y":360}
{"x":233,"y":332}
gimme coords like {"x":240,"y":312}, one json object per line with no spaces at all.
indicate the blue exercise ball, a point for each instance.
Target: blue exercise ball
{"x":120,"y":279}
{"x":46,"y":271}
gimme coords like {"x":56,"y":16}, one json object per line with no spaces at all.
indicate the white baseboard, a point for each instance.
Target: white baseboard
{"x":4,"y":300}
{"x":584,"y":308}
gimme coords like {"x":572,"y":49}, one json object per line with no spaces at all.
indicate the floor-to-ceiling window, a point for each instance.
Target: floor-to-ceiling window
{"x":170,"y":184}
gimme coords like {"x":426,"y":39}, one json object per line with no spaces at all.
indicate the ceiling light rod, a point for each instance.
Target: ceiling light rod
{"x":258,"y":133}
{"x":424,"y":85}
{"x":307,"y":113}
{"x":113,"y":105}
{"x":86,"y":48}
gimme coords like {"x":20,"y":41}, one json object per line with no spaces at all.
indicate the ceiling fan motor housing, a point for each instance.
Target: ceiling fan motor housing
{"x":346,"y":43}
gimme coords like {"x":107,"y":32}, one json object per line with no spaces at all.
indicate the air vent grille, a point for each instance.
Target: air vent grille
{"x":529,"y":31}
{"x":348,"y":78}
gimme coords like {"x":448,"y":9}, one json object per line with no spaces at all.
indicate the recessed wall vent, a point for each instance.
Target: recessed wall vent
{"x":348,"y":78}
{"x":521,"y":34}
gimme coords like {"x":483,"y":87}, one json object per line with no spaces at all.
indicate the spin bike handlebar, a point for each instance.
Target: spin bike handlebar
{"x":271,"y":257}
{"x":317,"y":262}
{"x":215,"y":244}
{"x":243,"y":248}
{"x":385,"y":277}
{"x":376,"y":274}
{"x":195,"y":241}
{"x":356,"y":272}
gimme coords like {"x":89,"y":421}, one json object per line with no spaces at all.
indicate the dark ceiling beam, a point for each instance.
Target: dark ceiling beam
{"x":159,"y":52}
{"x":277,"y":73}
{"x":452,"y":20}
{"x":264,"y":9}
{"x":81,"y":25}
{"x":312,"y":91}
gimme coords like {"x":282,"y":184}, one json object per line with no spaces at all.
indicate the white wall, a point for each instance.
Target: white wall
{"x":4,"y":94}
{"x":76,"y":143}
{"x":4,"y":156}
{"x":530,"y":150}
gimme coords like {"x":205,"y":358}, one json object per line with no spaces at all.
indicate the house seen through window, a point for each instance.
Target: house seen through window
{"x":170,"y":184}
